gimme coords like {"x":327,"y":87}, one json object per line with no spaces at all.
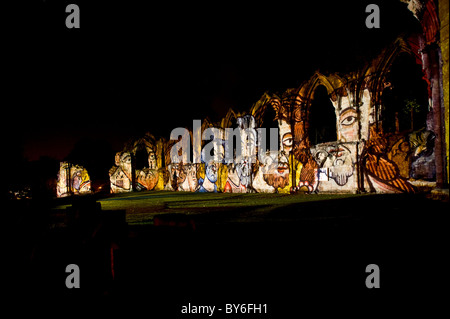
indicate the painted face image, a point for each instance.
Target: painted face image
{"x":123,"y":158}
{"x":285,"y":136}
{"x":321,"y":157}
{"x":286,"y":142}
{"x":192,"y":179}
{"x":278,"y":174}
{"x":243,"y":169}
{"x":283,"y":163}
{"x":348,"y":125}
{"x":180,"y":173}
{"x":212,"y":169}
{"x":339,"y":162}
{"x":121,"y":175}
{"x":276,"y":170}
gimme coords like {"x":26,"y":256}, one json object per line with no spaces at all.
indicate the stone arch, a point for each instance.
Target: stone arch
{"x":307,"y":89}
{"x":141,"y":148}
{"x":262,"y":107}
{"x":141,"y":155}
{"x":228,"y":120}
{"x":322,"y":117}
{"x":334,"y":87}
{"x":381,"y":66}
{"x":407,"y":91}
{"x":352,"y":105}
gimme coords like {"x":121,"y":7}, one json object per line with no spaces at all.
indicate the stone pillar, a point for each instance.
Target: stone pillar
{"x":432,"y":64}
{"x":444,"y":44}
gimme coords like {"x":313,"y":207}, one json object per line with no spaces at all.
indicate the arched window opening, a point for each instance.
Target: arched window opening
{"x":405,"y":99}
{"x":322,"y":118}
{"x":269,"y":121}
{"x":141,"y":158}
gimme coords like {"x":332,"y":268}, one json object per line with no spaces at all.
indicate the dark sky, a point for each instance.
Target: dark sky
{"x":132,"y":68}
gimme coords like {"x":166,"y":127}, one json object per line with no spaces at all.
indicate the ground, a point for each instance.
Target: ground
{"x":295,"y":253}
{"x":142,"y":207}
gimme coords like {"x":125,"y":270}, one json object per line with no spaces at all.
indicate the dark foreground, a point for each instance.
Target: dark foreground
{"x":300,"y":259}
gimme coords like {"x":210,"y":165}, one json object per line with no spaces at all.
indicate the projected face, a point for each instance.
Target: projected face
{"x":122,"y":177}
{"x":123,"y":159}
{"x":338,"y":159}
{"x":179,"y":172}
{"x":212,"y":169}
{"x":276,"y":170}
{"x":348,"y":124}
{"x":243,"y":170}
{"x":192,"y":178}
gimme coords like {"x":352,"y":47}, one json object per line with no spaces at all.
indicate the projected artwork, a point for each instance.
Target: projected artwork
{"x":72,"y":180}
{"x":333,"y":133}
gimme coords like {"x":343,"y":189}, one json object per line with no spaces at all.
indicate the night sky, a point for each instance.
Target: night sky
{"x":132,"y":68}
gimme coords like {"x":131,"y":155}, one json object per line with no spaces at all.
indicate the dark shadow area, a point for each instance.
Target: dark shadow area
{"x":97,"y":156}
{"x":141,"y":158}
{"x":405,"y":101}
{"x":155,"y":67}
{"x":269,"y":121}
{"x":322,"y":118}
{"x":305,"y":255}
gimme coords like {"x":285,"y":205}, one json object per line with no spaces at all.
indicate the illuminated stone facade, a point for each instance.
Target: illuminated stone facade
{"x":72,"y":180}
{"x":364,"y":146}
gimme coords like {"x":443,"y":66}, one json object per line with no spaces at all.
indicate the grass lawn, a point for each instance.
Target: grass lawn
{"x":141,"y":207}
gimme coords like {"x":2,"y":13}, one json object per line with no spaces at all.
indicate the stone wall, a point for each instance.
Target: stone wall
{"x":363,"y":158}
{"x":72,"y":180}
